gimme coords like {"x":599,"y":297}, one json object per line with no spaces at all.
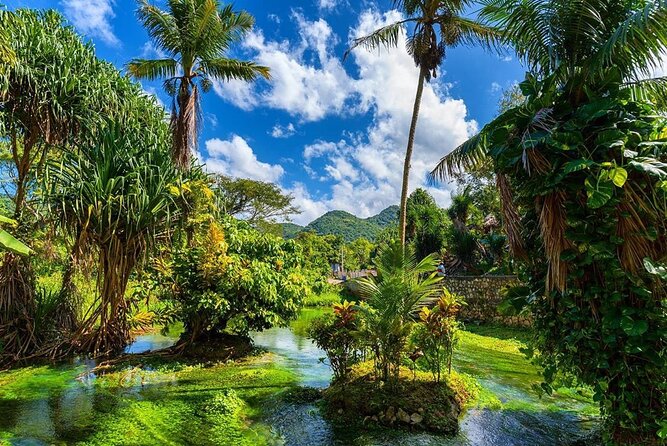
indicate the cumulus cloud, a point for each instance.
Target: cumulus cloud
{"x":327,"y":5}
{"x":308,"y":80}
{"x":235,"y":158}
{"x":283,"y":131}
{"x":93,"y":18}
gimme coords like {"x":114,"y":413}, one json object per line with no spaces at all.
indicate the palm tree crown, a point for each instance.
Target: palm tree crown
{"x":195,"y":36}
{"x":437,"y":24}
{"x":575,"y":46}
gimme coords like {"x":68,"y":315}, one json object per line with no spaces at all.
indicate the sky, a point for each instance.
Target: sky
{"x":330,"y":132}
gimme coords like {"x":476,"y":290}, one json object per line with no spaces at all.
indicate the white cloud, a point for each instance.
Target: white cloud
{"x":308,"y":80}
{"x":283,"y":131}
{"x":92,"y":17}
{"x":327,"y":5}
{"x":661,"y":69}
{"x":236,"y":158}
{"x":495,"y":87}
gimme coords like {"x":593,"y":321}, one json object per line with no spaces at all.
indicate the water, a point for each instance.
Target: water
{"x":526,"y":419}
{"x":162,"y":404}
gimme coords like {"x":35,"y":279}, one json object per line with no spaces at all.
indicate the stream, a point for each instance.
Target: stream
{"x":163,"y":404}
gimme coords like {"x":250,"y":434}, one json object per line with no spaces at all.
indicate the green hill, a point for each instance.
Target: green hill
{"x":290,"y":230}
{"x":348,"y":226}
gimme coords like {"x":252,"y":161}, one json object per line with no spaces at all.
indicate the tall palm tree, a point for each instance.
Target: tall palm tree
{"x":195,"y":36}
{"x":436,"y":25}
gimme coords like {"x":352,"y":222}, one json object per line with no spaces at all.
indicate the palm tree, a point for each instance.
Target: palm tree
{"x":576,"y":44}
{"x":195,"y":36}
{"x":392,"y":299}
{"x":438,"y":24}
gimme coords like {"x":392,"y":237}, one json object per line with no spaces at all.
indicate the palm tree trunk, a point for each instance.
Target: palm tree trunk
{"x":408,"y":156}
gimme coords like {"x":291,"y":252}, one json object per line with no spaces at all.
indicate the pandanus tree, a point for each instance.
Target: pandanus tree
{"x":195,"y":36}
{"x":434,"y":25}
{"x":113,"y":194}
{"x":52,"y":93}
{"x":581,"y":165}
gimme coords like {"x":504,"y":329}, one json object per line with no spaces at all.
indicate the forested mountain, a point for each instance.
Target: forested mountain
{"x":348,"y":226}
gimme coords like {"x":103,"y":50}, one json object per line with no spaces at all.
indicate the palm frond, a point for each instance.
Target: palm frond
{"x":152,"y":69}
{"x":161,"y":26}
{"x":387,"y":37}
{"x":653,"y":90}
{"x":467,"y":156}
{"x":228,"y":69}
{"x":638,"y":43}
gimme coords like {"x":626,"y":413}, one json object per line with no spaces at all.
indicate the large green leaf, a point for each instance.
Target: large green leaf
{"x":618,"y":176}
{"x":632,"y":327}
{"x":599,"y":192}
{"x":9,"y":243}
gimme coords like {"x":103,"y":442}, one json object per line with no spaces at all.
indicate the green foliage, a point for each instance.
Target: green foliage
{"x":235,"y":279}
{"x":10,"y":243}
{"x":357,"y":255}
{"x":401,"y":287}
{"x":259,"y":203}
{"x":435,"y":337}
{"x":581,"y":164}
{"x":337,"y":334}
{"x":427,"y":224}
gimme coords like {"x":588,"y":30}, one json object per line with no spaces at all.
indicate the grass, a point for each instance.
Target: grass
{"x":164,"y":403}
{"x":492,"y":355}
{"x":325,"y":299}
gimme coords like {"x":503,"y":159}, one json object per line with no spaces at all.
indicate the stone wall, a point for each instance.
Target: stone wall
{"x":482,"y":295}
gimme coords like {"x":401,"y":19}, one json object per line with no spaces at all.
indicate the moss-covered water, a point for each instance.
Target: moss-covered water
{"x":242,"y":403}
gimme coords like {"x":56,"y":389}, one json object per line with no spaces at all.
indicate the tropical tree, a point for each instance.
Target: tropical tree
{"x":259,"y":203}
{"x":581,"y":165}
{"x":436,"y":25}
{"x":391,"y":299}
{"x":195,"y":36}
{"x":235,"y":280}
{"x":113,"y":195}
{"x":42,"y":107}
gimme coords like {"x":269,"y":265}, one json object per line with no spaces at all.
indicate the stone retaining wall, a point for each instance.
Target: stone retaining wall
{"x":482,"y":295}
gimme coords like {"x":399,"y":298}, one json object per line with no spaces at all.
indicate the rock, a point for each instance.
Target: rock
{"x":403,"y":416}
{"x":421,"y":410}
{"x":340,"y":411}
{"x":416,"y":418}
{"x":391,"y":412}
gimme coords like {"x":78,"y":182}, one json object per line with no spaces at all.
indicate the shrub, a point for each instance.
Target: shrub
{"x":237,"y":279}
{"x":337,"y":334}
{"x":435,"y":336}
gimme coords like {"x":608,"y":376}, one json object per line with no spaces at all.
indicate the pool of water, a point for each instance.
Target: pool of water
{"x":66,"y":404}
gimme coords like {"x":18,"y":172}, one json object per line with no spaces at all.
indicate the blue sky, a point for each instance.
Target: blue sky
{"x":331,"y":133}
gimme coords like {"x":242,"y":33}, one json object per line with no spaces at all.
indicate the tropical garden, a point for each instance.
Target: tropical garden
{"x":146,"y":300}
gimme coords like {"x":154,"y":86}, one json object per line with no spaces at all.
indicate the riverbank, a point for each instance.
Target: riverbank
{"x":243,"y":402}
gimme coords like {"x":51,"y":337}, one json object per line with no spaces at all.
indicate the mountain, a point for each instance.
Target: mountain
{"x":348,"y":226}
{"x":290,"y":230}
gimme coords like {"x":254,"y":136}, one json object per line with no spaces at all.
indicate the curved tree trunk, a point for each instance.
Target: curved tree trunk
{"x":408,"y":156}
